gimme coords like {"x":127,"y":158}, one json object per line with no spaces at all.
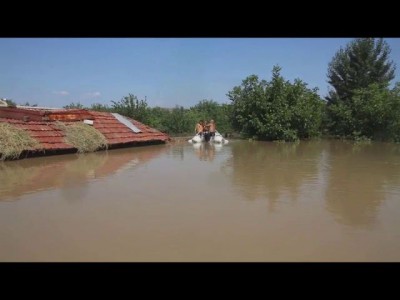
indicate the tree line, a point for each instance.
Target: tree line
{"x":174,"y":121}
{"x":360,"y":104}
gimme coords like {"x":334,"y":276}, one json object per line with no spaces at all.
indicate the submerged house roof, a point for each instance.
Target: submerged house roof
{"x":40,"y":124}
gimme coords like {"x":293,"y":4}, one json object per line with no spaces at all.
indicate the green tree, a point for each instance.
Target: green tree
{"x":393,"y":129}
{"x":361,"y":105}
{"x":28,"y":104}
{"x":132,"y":107}
{"x":180,"y":121}
{"x":73,"y":105}
{"x":210,"y":109}
{"x":101,"y":107}
{"x":276,"y":110}
{"x":362,"y":62}
{"x":372,"y":112}
{"x":158,"y":118}
{"x":206,"y":109}
{"x":10,"y":102}
{"x":224,"y":118}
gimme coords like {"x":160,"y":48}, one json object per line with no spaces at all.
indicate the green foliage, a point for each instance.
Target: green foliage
{"x":132,"y":107}
{"x":363,"y":62}
{"x":211,"y":110}
{"x":276,"y":110}
{"x":207,"y":109}
{"x":158,"y":117}
{"x":371,"y":113}
{"x":361,"y":106}
{"x":73,"y":105}
{"x":174,"y":121}
{"x":28,"y":104}
{"x":180,"y":121}
{"x":224,"y":118}
{"x":177,"y":120}
{"x":192,"y":117}
{"x":339,"y":120}
{"x":100,"y":107}
{"x":393,"y":122}
{"x":10,"y":103}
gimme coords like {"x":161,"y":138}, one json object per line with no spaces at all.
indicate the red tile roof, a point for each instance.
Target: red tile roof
{"x":39,"y":123}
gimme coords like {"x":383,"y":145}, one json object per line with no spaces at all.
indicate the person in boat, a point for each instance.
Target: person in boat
{"x":199,"y":128}
{"x":211,"y":128}
{"x":206,"y":132}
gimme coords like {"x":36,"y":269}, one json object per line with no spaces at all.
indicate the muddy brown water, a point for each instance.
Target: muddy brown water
{"x":243,"y":201}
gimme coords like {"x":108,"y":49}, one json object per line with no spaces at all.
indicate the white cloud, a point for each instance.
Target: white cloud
{"x":92,"y":95}
{"x":62,"y":93}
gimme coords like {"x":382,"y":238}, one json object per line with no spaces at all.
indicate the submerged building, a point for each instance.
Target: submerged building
{"x":42,"y":124}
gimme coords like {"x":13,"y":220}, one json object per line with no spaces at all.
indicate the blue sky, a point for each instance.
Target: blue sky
{"x":167,"y":71}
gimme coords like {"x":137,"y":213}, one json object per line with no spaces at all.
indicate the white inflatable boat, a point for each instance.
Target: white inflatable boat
{"x":218,"y":138}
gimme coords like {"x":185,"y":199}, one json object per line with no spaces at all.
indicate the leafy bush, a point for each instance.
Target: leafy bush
{"x":276,"y":110}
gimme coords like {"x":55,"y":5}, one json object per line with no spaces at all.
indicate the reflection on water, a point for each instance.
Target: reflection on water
{"x":69,"y":173}
{"x":243,"y":201}
{"x":206,"y":151}
{"x":359,"y":177}
{"x":268,"y":170}
{"x":352,"y":180}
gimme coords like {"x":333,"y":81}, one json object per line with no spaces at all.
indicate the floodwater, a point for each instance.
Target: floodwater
{"x":244,"y":201}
